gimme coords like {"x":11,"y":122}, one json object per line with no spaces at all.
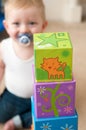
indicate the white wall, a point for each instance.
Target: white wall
{"x":63,"y":10}
{"x":54,"y":9}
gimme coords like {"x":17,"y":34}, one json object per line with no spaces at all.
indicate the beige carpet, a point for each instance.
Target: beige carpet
{"x":78,"y":37}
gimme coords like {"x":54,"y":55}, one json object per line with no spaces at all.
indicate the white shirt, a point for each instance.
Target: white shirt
{"x":18,"y":72}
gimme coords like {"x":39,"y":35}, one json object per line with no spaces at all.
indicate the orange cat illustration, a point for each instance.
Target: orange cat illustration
{"x":52,"y":65}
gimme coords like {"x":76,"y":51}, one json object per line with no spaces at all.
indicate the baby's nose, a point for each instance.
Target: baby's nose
{"x":24,"y":29}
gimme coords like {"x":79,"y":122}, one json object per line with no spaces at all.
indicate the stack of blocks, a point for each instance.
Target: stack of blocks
{"x":53,"y":102}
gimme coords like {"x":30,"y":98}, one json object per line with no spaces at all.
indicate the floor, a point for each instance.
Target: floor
{"x":78,"y":38}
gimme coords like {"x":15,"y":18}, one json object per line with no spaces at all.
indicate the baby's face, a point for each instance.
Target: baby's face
{"x":24,"y":21}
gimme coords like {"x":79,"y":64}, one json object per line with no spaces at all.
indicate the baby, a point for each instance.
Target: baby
{"x":23,"y":18}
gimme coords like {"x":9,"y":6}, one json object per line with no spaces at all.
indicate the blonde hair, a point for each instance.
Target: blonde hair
{"x":25,"y":4}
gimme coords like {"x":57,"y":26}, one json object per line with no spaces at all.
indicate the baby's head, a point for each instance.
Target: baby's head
{"x":16,"y":4}
{"x":24,"y":17}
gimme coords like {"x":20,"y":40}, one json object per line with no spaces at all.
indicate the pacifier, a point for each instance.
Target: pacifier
{"x":25,"y":38}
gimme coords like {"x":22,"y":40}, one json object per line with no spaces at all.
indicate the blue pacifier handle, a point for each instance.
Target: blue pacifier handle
{"x":25,"y":38}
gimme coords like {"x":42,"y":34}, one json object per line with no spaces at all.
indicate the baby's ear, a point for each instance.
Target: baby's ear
{"x":5,"y":24}
{"x":45,"y":24}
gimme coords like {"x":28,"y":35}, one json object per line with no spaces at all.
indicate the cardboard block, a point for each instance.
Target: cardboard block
{"x":53,"y":57}
{"x":54,"y":99}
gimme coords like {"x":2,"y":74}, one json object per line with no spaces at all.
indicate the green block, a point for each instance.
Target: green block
{"x":52,"y":57}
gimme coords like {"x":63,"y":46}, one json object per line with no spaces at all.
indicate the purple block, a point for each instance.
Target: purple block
{"x":54,"y":99}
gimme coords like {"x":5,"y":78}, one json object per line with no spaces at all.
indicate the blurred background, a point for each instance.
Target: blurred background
{"x":66,"y":10}
{"x":67,"y":16}
{"x":63,"y":11}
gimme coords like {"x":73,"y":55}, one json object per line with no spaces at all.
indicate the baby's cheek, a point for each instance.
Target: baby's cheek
{"x":13,"y":36}
{"x":36,"y":30}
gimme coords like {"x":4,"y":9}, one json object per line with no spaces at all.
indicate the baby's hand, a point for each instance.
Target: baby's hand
{"x":9,"y":125}
{"x":32,"y":127}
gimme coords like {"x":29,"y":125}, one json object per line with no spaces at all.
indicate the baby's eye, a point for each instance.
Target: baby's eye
{"x":16,"y":23}
{"x":32,"y":23}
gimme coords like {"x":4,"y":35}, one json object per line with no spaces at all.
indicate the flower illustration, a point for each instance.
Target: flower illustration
{"x":39,"y":104}
{"x":46,"y":126}
{"x":70,"y":87}
{"x":61,"y":92}
{"x":67,"y":127}
{"x":67,"y":109}
{"x":41,"y":90}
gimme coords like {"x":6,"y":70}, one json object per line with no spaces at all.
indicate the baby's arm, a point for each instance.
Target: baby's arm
{"x":2,"y":66}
